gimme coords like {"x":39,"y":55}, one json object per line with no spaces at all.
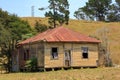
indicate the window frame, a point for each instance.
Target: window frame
{"x":26,"y":54}
{"x":85,"y":50}
{"x":53,"y":55}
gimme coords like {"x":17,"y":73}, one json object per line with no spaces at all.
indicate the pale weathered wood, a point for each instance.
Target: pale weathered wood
{"x":42,"y":51}
{"x":77,"y":59}
{"x":40,"y":54}
{"x":50,"y":63}
{"x":76,"y":54}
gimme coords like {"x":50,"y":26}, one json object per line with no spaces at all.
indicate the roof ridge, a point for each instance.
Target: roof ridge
{"x":51,"y":33}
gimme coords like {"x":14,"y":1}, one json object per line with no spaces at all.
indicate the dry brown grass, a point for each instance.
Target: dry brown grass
{"x":76,"y":74}
{"x":90,"y":28}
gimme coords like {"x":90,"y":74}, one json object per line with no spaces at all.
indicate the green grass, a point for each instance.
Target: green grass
{"x":74,"y":74}
{"x":91,"y":28}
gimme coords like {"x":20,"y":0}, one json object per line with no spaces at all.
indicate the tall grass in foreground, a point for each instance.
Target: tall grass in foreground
{"x":75,"y":74}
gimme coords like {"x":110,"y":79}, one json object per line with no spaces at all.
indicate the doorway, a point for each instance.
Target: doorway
{"x":67,"y":58}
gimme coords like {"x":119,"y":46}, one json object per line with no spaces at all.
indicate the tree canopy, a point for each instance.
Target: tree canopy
{"x":40,"y":27}
{"x":100,"y":10}
{"x":114,"y":13}
{"x":58,"y":12}
{"x":12,"y":29}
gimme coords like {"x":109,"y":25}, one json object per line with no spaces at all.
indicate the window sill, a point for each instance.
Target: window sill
{"x":54,"y":59}
{"x":85,"y":58}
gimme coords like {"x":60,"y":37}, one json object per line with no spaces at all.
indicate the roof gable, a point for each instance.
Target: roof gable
{"x":60,"y":34}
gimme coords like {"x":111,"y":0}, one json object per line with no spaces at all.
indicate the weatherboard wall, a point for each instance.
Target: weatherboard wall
{"x":76,"y":55}
{"x":51,"y":63}
{"x":78,"y":60}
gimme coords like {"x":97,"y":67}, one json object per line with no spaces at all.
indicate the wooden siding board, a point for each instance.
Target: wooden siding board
{"x":43,"y":54}
{"x":33,"y":51}
{"x":21,"y":57}
{"x":40,"y":54}
{"x":92,"y":55}
{"x":49,"y":63}
{"x":76,"y":54}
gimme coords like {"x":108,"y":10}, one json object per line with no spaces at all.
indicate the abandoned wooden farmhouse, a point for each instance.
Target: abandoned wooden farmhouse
{"x":58,"y":48}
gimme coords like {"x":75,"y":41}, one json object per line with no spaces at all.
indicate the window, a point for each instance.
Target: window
{"x":54,"y":53}
{"x":85,"y":52}
{"x":26,"y":54}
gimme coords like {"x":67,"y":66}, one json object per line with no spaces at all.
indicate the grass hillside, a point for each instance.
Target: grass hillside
{"x":76,"y":74}
{"x":91,"y":28}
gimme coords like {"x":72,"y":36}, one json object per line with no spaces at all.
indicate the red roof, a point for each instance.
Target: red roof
{"x":60,"y":34}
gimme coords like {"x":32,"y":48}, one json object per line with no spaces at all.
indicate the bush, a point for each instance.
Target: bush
{"x":31,"y":65}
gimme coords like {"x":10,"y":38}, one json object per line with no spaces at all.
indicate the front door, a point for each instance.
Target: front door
{"x":67,"y":58}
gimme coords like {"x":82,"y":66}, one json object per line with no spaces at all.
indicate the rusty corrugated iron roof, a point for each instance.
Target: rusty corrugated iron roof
{"x":60,"y":34}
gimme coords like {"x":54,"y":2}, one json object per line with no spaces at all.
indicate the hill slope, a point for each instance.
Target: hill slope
{"x":92,"y":28}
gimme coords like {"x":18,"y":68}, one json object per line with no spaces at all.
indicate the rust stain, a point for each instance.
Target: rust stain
{"x":60,"y":34}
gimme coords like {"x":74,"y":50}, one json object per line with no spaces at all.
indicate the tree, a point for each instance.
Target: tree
{"x":4,"y":41}
{"x":118,"y":2}
{"x":94,"y":9}
{"x":3,"y":63}
{"x":40,"y":27}
{"x":58,"y":13}
{"x":114,"y":13}
{"x":11,"y":30}
{"x":104,"y":47}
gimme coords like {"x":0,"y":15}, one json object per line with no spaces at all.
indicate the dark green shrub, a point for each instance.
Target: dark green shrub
{"x":31,"y":65}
